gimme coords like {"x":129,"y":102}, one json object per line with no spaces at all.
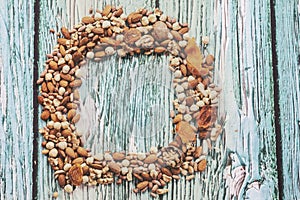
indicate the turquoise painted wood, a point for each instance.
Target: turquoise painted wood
{"x":240,"y":38}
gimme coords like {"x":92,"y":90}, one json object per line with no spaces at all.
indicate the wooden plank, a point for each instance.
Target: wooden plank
{"x":16,"y":69}
{"x":240,"y":40}
{"x":287,"y":49}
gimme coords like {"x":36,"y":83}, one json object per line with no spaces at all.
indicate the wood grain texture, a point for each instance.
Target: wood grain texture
{"x":288,"y":55}
{"x":115,"y":99}
{"x":16,"y":69}
{"x":119,"y":97}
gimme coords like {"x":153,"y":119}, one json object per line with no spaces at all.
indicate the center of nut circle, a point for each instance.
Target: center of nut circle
{"x":96,"y":38}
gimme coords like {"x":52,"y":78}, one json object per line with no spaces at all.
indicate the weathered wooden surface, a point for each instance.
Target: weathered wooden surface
{"x":288,"y":57}
{"x":240,"y":34}
{"x":16,"y":69}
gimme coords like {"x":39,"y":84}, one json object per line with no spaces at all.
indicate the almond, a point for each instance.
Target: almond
{"x":106,"y":10}
{"x":44,"y":87}
{"x":76,"y":118}
{"x":45,"y":115}
{"x":66,"y":133}
{"x":118,"y":156}
{"x":193,"y":83}
{"x":175,"y":171}
{"x":78,"y":160}
{"x":50,"y":87}
{"x":84,"y":40}
{"x":61,"y":180}
{"x":82,"y":152}
{"x":62,"y":50}
{"x":159,"y":49}
{"x":88,"y":20}
{"x":183,"y":30}
{"x":176,"y":35}
{"x":65,"y":33}
{"x":70,"y":152}
{"x":76,"y":83}
{"x":40,"y":99}
{"x":76,"y":174}
{"x":183,"y":69}
{"x":118,"y":13}
{"x":201,"y":165}
{"x":114,"y":167}
{"x":100,"y":54}
{"x":142,"y":185}
{"x":66,"y":77}
{"x":77,"y":56}
{"x":72,"y":106}
{"x":65,"y":100}
{"x":76,"y":94}
{"x":98,"y":31}
{"x":53,"y":65}
{"x":198,"y":152}
{"x":134,"y":17}
{"x":150,"y":159}
{"x":63,"y":83}
{"x":71,"y":114}
{"x":146,"y":176}
{"x":166,"y":171}
{"x":62,"y":41}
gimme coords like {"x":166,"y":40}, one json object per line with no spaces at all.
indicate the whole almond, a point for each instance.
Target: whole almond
{"x":70,"y":152}
{"x":76,"y":118}
{"x":76,"y":94}
{"x":72,"y":106}
{"x":106,"y":10}
{"x":61,"y":180}
{"x":45,"y":115}
{"x":63,"y":83}
{"x":65,"y":33}
{"x":159,"y":49}
{"x":40,"y":99}
{"x":82,"y":152}
{"x":176,"y":35}
{"x":146,"y":176}
{"x":119,"y":12}
{"x":150,"y":159}
{"x":50,"y":86}
{"x":166,"y":171}
{"x":114,"y":167}
{"x":198,"y":152}
{"x":44,"y":87}
{"x":175,"y":171}
{"x":62,"y":41}
{"x":88,"y":20}
{"x":66,"y":77}
{"x":183,"y":30}
{"x":78,"y":160}
{"x":85,"y":40}
{"x":118,"y":156}
{"x":76,"y":83}
{"x":71,"y":114}
{"x":53,"y":65}
{"x":62,"y":50}
{"x":99,"y":54}
{"x":142,"y":185}
{"x":98,"y":31}
{"x":76,"y":174}
{"x":183,"y":69}
{"x":202,"y":165}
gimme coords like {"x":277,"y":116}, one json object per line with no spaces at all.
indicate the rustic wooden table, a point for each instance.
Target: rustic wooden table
{"x":256,"y":45}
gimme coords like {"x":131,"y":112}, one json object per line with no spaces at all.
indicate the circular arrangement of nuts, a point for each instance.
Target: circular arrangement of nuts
{"x":111,"y":32}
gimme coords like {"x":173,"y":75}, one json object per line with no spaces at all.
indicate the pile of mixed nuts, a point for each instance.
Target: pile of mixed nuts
{"x":106,"y":33}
